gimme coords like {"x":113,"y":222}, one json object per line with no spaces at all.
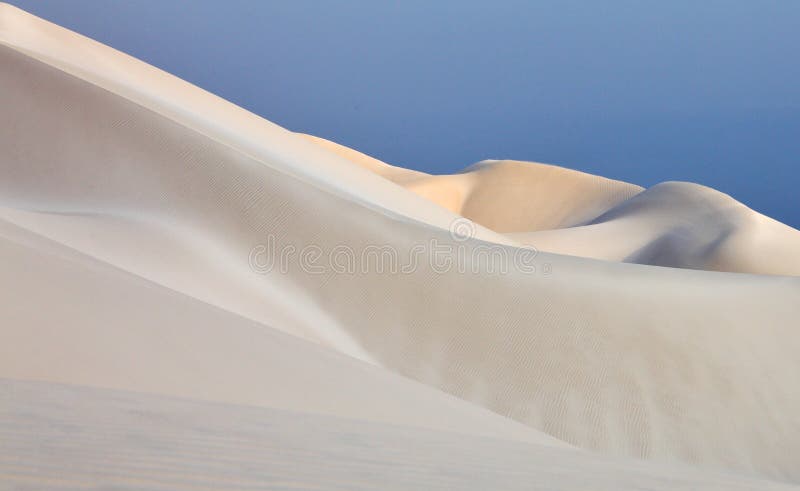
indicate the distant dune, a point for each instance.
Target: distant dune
{"x":194,"y":297}
{"x":675,"y":224}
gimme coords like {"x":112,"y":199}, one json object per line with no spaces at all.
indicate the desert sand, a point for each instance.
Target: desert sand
{"x":578,"y":333}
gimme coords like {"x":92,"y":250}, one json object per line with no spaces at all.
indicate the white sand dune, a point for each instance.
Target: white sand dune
{"x":559,"y":210}
{"x":138,"y":217}
{"x":681,"y":225}
{"x":505,"y":195}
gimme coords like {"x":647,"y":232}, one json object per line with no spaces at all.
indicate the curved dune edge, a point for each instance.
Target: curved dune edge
{"x":131,"y":203}
{"x":206,"y":114}
{"x":680,"y":225}
{"x":506,"y":195}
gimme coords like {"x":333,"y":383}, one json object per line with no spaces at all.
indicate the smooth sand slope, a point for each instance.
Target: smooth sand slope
{"x":72,"y":319}
{"x":138,"y":216}
{"x":66,"y":437}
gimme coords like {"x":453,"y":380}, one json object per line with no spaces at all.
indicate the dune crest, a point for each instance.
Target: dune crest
{"x":673,"y":224}
{"x":506,"y":195}
{"x":160,"y":243}
{"x":681,"y":225}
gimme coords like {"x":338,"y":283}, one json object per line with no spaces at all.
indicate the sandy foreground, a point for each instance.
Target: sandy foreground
{"x":196,"y":298}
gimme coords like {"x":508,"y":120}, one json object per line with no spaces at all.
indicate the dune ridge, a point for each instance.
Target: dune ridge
{"x":681,"y":225}
{"x":131,"y":203}
{"x":506,"y":195}
{"x":673,"y":224}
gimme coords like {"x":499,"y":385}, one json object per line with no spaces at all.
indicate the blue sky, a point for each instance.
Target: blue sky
{"x":644,"y":91}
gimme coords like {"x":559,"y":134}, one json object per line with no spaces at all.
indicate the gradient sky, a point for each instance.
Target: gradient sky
{"x":644,"y":91}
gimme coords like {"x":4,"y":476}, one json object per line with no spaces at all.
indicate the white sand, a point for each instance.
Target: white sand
{"x":559,"y":210}
{"x":141,"y":441}
{"x":131,"y":203}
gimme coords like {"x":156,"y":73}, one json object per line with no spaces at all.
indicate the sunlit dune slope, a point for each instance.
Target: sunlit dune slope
{"x":681,"y":225}
{"x":506,"y":195}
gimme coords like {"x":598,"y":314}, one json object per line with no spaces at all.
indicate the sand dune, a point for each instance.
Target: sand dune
{"x":681,"y":225}
{"x":138,"y":219}
{"x":103,"y":327}
{"x":506,"y":195}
